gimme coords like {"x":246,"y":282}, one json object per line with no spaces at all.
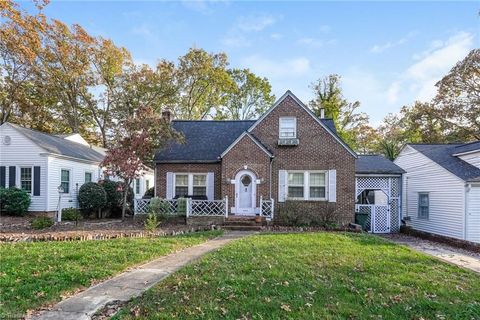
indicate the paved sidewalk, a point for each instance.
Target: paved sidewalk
{"x":132,"y":283}
{"x":460,"y":257}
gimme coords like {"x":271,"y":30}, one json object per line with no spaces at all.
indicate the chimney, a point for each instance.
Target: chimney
{"x":167,"y":115}
{"x":322,"y":113}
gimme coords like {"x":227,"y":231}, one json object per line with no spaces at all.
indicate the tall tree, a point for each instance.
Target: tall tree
{"x":250,"y":97}
{"x":136,"y":141}
{"x":348,"y":120}
{"x":63,"y":74}
{"x":203,"y":83}
{"x":458,"y":98}
{"x":20,"y":40}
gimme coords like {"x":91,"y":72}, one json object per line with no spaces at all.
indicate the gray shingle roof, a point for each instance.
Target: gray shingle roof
{"x":205,"y":140}
{"x":442,"y":154}
{"x":57,"y":145}
{"x":467,"y":147}
{"x":376,"y":164}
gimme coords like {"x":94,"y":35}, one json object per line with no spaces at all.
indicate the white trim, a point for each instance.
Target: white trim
{"x":300,"y":103}
{"x":294,"y":127}
{"x":70,"y":176}
{"x":306,"y":185}
{"x":465,"y":153}
{"x":19,"y":178}
{"x":189,"y":182}
{"x":91,"y":176}
{"x":245,"y":133}
{"x":245,"y":211}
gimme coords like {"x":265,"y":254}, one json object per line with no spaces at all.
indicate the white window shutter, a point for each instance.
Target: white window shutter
{"x":169,"y":193}
{"x":282,"y":185}
{"x":332,"y":185}
{"x":210,"y":186}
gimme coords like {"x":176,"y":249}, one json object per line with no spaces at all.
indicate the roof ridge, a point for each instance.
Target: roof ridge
{"x":212,"y":120}
{"x":469,"y":143}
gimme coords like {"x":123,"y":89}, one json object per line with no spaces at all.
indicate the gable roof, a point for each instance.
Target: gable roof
{"x":443,"y":155}
{"x":301,"y":104}
{"x":205,"y":140}
{"x":376,"y":164}
{"x":253,"y":138}
{"x":467,"y":148}
{"x":59,"y":146}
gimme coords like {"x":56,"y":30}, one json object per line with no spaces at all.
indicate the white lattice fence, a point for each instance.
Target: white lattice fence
{"x":266,"y":208}
{"x":207,"y":208}
{"x":160,"y":206}
{"x":140,"y":206}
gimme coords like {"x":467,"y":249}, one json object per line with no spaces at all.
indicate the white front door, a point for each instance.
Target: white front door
{"x":245,"y":187}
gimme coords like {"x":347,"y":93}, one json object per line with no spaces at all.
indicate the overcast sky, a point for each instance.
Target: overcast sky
{"x":388,"y":53}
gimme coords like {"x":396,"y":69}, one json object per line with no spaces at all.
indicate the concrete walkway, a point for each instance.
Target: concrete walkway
{"x":132,"y":283}
{"x":460,"y":257}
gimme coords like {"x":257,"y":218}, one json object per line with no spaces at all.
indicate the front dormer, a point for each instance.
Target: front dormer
{"x":287,"y":131}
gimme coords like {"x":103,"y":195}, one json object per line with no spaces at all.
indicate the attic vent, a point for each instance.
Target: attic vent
{"x":7,"y":140}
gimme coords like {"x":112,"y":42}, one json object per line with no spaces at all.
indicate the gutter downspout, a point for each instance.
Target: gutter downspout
{"x":465,"y":218}
{"x":270,"y":182}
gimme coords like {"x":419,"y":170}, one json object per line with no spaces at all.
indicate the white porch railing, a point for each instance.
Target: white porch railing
{"x":191,"y":208}
{"x":266,"y":208}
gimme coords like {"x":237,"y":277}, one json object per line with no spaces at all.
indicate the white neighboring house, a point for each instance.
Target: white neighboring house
{"x":39,"y":163}
{"x":442,"y":189}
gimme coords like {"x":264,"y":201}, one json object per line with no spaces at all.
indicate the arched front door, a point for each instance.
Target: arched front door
{"x":245,"y":192}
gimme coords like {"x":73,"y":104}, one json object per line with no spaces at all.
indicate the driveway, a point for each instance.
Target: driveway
{"x":457,"y":256}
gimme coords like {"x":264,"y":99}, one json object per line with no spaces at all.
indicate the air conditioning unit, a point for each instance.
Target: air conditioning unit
{"x":288,"y":142}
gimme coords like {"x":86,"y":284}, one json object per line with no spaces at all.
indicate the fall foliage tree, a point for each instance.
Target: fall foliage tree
{"x":135,"y":143}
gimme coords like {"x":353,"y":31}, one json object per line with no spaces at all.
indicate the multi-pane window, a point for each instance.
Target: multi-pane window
{"x":137,"y":186}
{"x":288,"y":127}
{"x":317,"y":185}
{"x":423,"y":205}
{"x":181,"y":185}
{"x":295,"y":184}
{"x":147,"y":184}
{"x":26,"y":179}
{"x":65,"y":180}
{"x":307,"y":185}
{"x":199,"y":185}
{"x":88,"y":177}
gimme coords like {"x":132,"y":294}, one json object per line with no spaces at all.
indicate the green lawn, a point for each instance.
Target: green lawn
{"x":32,"y":274}
{"x":312,"y":276}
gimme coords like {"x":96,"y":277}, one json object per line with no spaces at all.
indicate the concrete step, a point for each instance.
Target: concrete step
{"x":240,"y":223}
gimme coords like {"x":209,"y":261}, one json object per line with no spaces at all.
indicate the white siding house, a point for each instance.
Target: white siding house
{"x":440,"y":192}
{"x":40,"y":163}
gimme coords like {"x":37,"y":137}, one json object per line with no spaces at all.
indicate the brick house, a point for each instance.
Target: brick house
{"x":288,"y":155}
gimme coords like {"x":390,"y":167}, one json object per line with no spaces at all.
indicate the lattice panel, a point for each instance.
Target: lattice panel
{"x":381,"y":220}
{"x":267,"y":208}
{"x":201,"y":208}
{"x":141,"y":205}
{"x":395,"y":187}
{"x":367,"y":209}
{"x":372,"y":183}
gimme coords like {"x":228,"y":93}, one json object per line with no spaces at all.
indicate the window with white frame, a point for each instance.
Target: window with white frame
{"x":307,"y":185}
{"x":137,"y":186}
{"x":88,"y":176}
{"x":199,"y":185}
{"x":190,"y":184}
{"x":423,"y":205}
{"x":147,"y":184}
{"x":287,"y":127}
{"x":65,"y":180}
{"x":181,"y":185}
{"x":26,"y":179}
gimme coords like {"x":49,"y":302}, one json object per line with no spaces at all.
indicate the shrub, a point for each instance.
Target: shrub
{"x":114,"y":197}
{"x":91,"y":197}
{"x":158,"y":206}
{"x":150,"y":193}
{"x":42,"y":223}
{"x":14,"y":201}
{"x":293,"y":214}
{"x":71,"y":214}
{"x":151,"y":223}
{"x":181,"y":206}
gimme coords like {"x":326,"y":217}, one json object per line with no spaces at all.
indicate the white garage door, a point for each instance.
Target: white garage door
{"x":473,"y":214}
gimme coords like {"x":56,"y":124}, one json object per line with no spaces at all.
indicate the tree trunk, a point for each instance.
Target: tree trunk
{"x":125,"y":193}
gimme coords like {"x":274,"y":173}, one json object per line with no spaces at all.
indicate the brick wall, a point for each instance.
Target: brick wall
{"x":246,"y":153}
{"x":317,"y":150}
{"x":163,"y":168}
